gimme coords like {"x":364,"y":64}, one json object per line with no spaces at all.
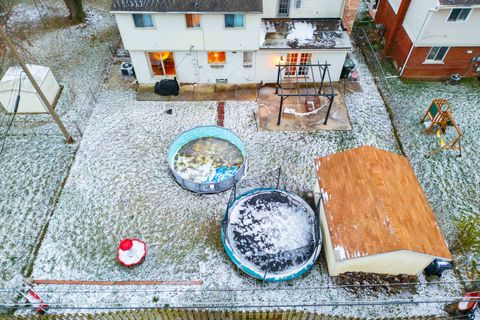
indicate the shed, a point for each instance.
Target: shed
{"x":15,"y":81}
{"x":374,"y":215}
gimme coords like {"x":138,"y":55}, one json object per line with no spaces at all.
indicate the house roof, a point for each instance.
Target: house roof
{"x":188,"y":5}
{"x":459,"y":2}
{"x":303,"y":34}
{"x":374,"y":204}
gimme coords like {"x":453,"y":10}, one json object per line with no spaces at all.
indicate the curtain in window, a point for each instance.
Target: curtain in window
{"x":238,"y":20}
{"x":147,"y":20}
{"x":229,"y":21}
{"x":137,"y":18}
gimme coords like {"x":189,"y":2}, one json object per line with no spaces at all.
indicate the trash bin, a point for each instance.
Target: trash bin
{"x":455,"y":78}
{"x":127,"y":69}
{"x":348,"y":66}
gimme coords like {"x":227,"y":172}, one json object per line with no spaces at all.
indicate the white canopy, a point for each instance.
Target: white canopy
{"x":15,"y":81}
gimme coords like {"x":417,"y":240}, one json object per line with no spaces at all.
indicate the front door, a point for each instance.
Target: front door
{"x":300,"y":59}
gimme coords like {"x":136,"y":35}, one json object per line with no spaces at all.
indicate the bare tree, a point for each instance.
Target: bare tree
{"x":76,"y":10}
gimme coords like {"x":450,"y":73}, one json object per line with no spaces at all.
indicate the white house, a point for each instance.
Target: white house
{"x":431,"y":38}
{"x":239,"y":41}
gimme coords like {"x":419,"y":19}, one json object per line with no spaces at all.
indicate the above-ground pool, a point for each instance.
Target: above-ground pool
{"x":207,"y":159}
{"x":271,"y":234}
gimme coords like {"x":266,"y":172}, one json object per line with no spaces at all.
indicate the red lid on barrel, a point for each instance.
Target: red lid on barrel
{"x":126,"y":244}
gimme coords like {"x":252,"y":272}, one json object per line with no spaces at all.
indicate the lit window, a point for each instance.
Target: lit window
{"x":193,"y":20}
{"x":459,"y":14}
{"x":234,"y":21}
{"x":247,"y":58}
{"x":437,"y":54}
{"x":215,"y":57}
{"x":162,"y":63}
{"x":143,"y":20}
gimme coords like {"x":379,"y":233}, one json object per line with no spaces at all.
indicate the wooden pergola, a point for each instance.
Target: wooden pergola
{"x":292,"y":84}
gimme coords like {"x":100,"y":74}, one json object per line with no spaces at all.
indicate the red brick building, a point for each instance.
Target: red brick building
{"x":431,"y":39}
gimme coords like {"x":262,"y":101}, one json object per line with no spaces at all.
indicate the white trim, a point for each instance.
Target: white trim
{"x":430,"y":61}
{"x":152,"y":16}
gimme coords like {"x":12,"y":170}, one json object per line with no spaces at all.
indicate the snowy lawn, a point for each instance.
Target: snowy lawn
{"x":120,"y":186}
{"x":35,"y":160}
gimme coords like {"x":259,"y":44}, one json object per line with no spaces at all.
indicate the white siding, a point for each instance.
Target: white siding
{"x":308,"y":9}
{"x":395,"y":4}
{"x":439,"y":32}
{"x":193,"y":67}
{"x":417,"y":16}
{"x":170,"y":33}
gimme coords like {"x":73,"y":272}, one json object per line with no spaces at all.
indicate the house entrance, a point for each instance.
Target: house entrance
{"x":162,"y":63}
{"x":297,"y":63}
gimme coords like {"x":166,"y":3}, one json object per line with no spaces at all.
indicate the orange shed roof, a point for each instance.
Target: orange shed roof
{"x":374,"y":204}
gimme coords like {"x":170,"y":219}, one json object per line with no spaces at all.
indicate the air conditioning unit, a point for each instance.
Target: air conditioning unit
{"x":248,"y":65}
{"x":222,"y":80}
{"x":216,"y":66}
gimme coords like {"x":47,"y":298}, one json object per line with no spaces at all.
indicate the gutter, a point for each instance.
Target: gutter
{"x":414,"y":43}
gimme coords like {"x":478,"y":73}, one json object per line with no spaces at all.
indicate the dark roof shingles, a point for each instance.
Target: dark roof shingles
{"x":188,"y":5}
{"x":459,"y":2}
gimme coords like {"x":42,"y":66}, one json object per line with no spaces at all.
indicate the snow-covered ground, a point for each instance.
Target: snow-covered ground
{"x":120,"y":186}
{"x":36,"y":160}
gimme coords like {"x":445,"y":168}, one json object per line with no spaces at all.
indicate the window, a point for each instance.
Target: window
{"x":298,"y":4}
{"x":247,"y":58}
{"x":437,"y":54}
{"x":305,"y":58}
{"x":193,"y":20}
{"x":291,"y":59}
{"x":234,"y":21}
{"x":162,"y":63}
{"x":216,"y":57}
{"x":283,"y":8}
{"x":459,"y":14}
{"x":143,"y":20}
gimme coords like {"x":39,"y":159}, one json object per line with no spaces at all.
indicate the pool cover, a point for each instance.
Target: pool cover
{"x":271,"y":234}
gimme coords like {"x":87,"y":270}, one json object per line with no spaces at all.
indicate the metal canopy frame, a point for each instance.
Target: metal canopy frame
{"x":293,"y":85}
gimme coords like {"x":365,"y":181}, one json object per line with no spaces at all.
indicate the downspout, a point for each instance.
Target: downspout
{"x":427,"y":18}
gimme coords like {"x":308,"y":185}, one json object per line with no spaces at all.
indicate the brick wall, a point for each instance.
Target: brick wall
{"x":386,"y":16}
{"x":400,"y":44}
{"x":400,"y":48}
{"x":349,"y":13}
{"x":457,"y":60}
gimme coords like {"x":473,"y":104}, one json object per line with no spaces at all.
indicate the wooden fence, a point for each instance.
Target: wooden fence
{"x":180,"y":314}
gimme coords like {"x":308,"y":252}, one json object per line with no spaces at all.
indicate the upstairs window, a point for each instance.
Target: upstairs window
{"x":143,"y":20}
{"x":283,"y":8}
{"x":437,"y":54}
{"x":216,"y":57}
{"x":193,"y":20}
{"x":234,"y":21}
{"x":459,"y":14}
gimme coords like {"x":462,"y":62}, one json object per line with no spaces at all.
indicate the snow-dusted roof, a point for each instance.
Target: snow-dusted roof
{"x":374,"y":204}
{"x":303,"y":34}
{"x":188,"y":5}
{"x":459,"y":2}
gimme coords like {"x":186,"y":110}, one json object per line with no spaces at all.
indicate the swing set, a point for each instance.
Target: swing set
{"x":439,"y":116}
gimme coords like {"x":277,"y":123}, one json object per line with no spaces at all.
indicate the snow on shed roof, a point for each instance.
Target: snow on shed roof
{"x":188,"y":5}
{"x":374,"y":204}
{"x":303,"y":34}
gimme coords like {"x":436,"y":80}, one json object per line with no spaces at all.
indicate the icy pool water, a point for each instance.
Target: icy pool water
{"x":208,"y":159}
